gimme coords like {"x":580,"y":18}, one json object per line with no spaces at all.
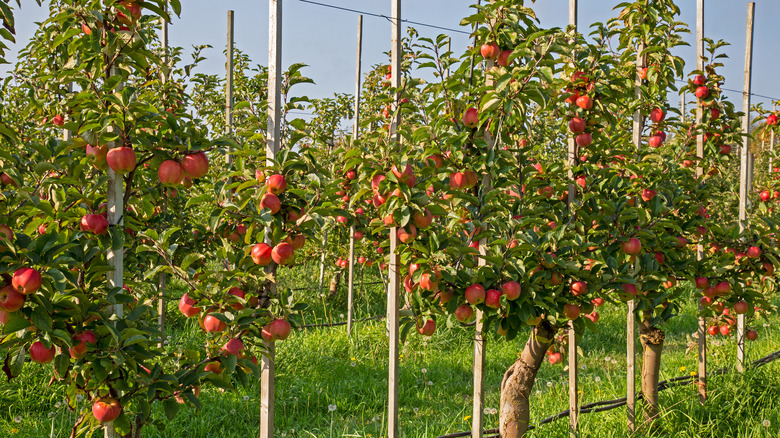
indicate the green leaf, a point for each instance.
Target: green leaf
{"x":171,"y":407}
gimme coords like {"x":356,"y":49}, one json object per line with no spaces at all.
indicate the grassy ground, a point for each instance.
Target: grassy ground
{"x":331,"y":385}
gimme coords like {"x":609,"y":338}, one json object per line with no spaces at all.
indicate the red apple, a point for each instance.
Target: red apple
{"x":187,"y":306}
{"x":754,"y":252}
{"x":98,"y":155}
{"x":493,"y":298}
{"x":280,"y":329}
{"x":489,"y":50}
{"x":261,"y":254}
{"x":657,"y":115}
{"x":94,"y":223}
{"x":629,"y":291}
{"x":26,"y":280}
{"x":751,"y":335}
{"x":722,"y":288}
{"x":271,"y":202}
{"x":464,"y":313}
{"x":406,"y":177}
{"x":106,"y":409}
{"x":282,"y":253}
{"x":471,"y":118}
{"x":771,"y":119}
{"x":428,"y":281}
{"x":655,"y":141}
{"x":212,"y":324}
{"x":741,"y":307}
{"x":713,"y":330}
{"x":121,"y":160}
{"x":407,"y":234}
{"x":598,"y":302}
{"x":428,"y":328}
{"x":6,"y":233}
{"x":40,"y":354}
{"x":725,"y":149}
{"x":170,"y":173}
{"x":277,"y":184}
{"x":576,"y":125}
{"x":572,"y":311}
{"x":593,"y":316}
{"x":512,"y":290}
{"x":555,"y":358}
{"x":195,"y":165}
{"x":699,"y":80}
{"x":579,"y":288}
{"x":584,"y":102}
{"x":10,"y":299}
{"x":702,"y":92}
{"x":632,"y":247}
{"x":236,"y":292}
{"x":503,"y":58}
{"x":80,"y":340}
{"x":233,"y":346}
{"x":475,"y":294}
{"x":725,"y":330}
{"x":765,"y":195}
{"x":584,"y":139}
{"x":423,"y":220}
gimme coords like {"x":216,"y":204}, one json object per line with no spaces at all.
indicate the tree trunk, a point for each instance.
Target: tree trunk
{"x":519,"y":381}
{"x":652,"y":339}
{"x":334,"y":285}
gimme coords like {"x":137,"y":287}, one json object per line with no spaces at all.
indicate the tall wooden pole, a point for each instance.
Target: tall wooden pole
{"x":745,"y":167}
{"x":702,"y":322}
{"x":273,"y":143}
{"x":631,"y":314}
{"x":115,"y":256}
{"x":572,"y":335}
{"x":229,"y":80}
{"x":771,"y":143}
{"x":393,"y":294}
{"x":355,"y":132}
{"x":163,"y":279}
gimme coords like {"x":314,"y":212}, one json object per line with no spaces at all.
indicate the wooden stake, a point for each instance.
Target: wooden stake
{"x":702,"y":322}
{"x":745,"y":177}
{"x":115,"y":257}
{"x":771,"y":143}
{"x":355,"y":131}
{"x":572,"y":335}
{"x":351,"y":282}
{"x":393,"y":275}
{"x":322,"y":258}
{"x":630,"y":316}
{"x":163,"y":279}
{"x":229,"y":81}
{"x":273,"y":143}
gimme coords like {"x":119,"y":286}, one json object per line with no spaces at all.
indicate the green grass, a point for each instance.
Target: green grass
{"x":318,"y":368}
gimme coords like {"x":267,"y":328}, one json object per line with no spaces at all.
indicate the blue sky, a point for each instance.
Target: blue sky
{"x":325,"y":38}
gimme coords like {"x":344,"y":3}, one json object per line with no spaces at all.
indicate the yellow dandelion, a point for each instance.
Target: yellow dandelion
{"x":579,"y":392}
{"x":693,"y":373}
{"x":353,"y":358}
{"x":467,"y":418}
{"x":682,"y":369}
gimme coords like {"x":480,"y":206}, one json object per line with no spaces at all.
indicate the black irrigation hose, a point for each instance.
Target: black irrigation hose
{"x":607,"y":405}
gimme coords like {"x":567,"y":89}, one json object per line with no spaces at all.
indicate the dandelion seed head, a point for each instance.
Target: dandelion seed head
{"x":549,"y":384}
{"x":598,"y":379}
{"x":18,"y":419}
{"x":416,"y":410}
{"x":246,"y":398}
{"x":58,"y":405}
{"x":331,"y":408}
{"x":766,"y":423}
{"x":424,"y":370}
{"x":430,"y":383}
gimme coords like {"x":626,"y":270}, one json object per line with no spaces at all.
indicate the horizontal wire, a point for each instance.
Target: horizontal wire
{"x":371,"y":14}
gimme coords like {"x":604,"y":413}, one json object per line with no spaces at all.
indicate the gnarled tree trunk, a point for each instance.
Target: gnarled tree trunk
{"x":652,"y":339}
{"x":519,"y":381}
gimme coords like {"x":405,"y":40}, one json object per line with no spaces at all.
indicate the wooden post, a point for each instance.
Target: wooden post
{"x":572,"y":335}
{"x":702,"y":322}
{"x":745,"y":167}
{"x":273,"y":142}
{"x":163,"y":279}
{"x":351,"y":282}
{"x":631,"y":314}
{"x":771,"y":143}
{"x":229,"y":81}
{"x":355,"y":131}
{"x":115,"y":257}
{"x":322,"y":258}
{"x":393,"y":294}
